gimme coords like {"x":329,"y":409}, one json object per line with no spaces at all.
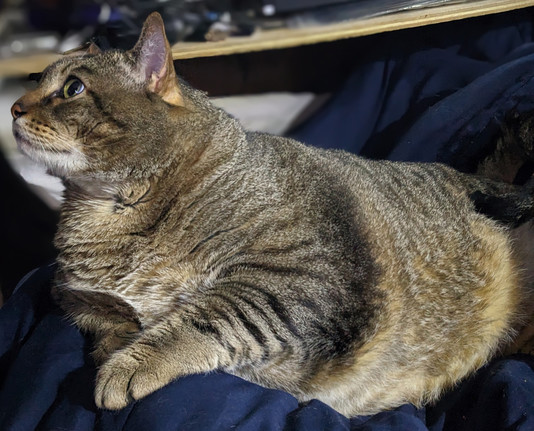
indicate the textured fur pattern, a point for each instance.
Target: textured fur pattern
{"x":188,"y":244}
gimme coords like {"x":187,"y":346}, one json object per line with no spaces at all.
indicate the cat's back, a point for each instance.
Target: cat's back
{"x":415,"y":223}
{"x":392,"y":189}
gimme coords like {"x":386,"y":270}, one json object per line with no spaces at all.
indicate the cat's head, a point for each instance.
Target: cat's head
{"x":102,"y":112}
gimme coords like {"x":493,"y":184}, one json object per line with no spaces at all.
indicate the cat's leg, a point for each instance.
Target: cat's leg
{"x":116,"y":335}
{"x":111,"y":327}
{"x":160,"y":354}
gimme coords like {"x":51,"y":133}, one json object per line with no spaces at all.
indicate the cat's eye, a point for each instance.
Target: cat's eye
{"x":72,"y":88}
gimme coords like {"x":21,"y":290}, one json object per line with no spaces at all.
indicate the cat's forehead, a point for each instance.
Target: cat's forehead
{"x":114,"y":63}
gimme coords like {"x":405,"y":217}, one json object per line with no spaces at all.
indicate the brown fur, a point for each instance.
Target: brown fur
{"x":511,"y":161}
{"x":188,"y":244}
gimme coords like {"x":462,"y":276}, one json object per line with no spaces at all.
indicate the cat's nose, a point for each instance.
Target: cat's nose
{"x":17,"y":111}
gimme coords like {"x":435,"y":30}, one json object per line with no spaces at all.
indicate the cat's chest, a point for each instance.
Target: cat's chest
{"x":153,"y":270}
{"x":150,"y":283}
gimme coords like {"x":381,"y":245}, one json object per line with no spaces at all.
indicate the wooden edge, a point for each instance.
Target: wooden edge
{"x":287,"y":38}
{"x":23,"y":65}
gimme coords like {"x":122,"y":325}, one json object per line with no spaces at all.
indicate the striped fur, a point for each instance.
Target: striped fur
{"x":188,"y":244}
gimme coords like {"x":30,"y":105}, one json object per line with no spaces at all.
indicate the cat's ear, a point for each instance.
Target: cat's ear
{"x":153,"y":56}
{"x":87,"y":48}
{"x":93,"y":48}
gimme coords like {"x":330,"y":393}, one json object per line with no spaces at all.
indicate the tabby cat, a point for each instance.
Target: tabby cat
{"x":188,"y":244}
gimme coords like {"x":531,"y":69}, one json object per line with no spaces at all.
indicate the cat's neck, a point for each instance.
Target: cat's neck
{"x":135,"y":202}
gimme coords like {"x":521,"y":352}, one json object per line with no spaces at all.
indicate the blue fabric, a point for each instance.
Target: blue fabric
{"x":434,"y":93}
{"x":437,"y":97}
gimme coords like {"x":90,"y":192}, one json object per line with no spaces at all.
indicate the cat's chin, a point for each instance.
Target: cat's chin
{"x":59,"y":164}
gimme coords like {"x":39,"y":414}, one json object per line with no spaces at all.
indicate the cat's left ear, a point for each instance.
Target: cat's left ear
{"x":154,"y":61}
{"x":86,"y":48}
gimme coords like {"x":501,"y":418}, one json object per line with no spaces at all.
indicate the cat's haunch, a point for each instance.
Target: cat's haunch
{"x":188,"y":244}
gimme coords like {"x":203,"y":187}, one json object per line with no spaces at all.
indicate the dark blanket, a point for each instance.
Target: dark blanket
{"x":435,"y":94}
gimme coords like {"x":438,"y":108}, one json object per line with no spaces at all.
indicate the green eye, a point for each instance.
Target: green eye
{"x":73,"y":87}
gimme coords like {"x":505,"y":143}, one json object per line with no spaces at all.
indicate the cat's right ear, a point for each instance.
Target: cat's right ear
{"x":153,"y":57}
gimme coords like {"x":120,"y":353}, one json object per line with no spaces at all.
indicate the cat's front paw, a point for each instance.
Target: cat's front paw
{"x":127,"y":377}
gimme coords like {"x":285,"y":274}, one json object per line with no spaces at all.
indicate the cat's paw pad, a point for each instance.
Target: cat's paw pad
{"x":123,"y":379}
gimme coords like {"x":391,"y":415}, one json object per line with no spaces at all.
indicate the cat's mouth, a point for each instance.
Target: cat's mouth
{"x":24,"y":144}
{"x":31,"y":145}
{"x":58,"y":161}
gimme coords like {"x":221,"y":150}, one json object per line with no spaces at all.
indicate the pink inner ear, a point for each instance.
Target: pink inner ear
{"x":154,"y":61}
{"x":153,"y":53}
